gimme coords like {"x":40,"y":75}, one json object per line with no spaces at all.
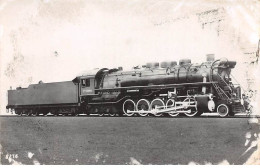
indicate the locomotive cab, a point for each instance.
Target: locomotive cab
{"x":87,"y":86}
{"x":89,"y":81}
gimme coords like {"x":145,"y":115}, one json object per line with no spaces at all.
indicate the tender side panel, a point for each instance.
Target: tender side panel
{"x":45,"y":93}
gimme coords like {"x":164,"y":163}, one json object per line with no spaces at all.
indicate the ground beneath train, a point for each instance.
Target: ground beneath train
{"x":128,"y":140}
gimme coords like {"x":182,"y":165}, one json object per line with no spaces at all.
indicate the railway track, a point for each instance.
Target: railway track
{"x":136,"y":116}
{"x":127,"y":140}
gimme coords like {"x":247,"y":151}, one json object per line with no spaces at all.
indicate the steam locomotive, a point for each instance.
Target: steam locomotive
{"x":154,"y":89}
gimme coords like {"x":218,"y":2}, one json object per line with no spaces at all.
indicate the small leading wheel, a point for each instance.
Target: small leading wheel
{"x":142,"y":105}
{"x":223,"y":110}
{"x":157,"y":104}
{"x":128,"y":105}
{"x":188,"y":102}
{"x":169,"y":104}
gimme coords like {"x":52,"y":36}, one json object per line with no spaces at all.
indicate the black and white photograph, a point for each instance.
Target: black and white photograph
{"x":129,"y":82}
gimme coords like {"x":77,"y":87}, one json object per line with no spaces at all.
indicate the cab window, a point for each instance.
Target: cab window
{"x":85,"y":82}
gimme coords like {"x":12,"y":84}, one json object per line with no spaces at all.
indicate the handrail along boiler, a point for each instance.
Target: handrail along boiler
{"x":170,"y":88}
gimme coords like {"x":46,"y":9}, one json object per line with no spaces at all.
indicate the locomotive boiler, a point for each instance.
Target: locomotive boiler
{"x":168,"y":88}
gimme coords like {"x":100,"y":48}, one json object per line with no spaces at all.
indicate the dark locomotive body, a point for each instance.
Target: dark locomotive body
{"x":172,"y":89}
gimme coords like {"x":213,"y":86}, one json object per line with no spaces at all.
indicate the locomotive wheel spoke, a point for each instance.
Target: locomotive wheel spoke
{"x":143,"y":105}
{"x":128,"y":105}
{"x":170,"y":103}
{"x":155,"y":104}
{"x":194,"y":110}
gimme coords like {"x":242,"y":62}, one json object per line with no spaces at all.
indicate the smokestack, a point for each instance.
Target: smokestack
{"x":210,"y":57}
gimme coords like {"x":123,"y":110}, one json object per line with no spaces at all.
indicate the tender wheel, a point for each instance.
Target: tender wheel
{"x":22,"y":112}
{"x":142,"y":105}
{"x":170,"y":103}
{"x":18,"y":111}
{"x":223,"y":110}
{"x":45,"y":113}
{"x":194,"y":110}
{"x":74,"y":111}
{"x":128,"y":105}
{"x":29,"y":113}
{"x":36,"y":113}
{"x":155,"y":104}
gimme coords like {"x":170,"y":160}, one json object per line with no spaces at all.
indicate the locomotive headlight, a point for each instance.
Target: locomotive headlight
{"x":211,"y":105}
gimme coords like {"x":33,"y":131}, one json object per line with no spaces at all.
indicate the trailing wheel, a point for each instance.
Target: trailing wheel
{"x":142,"y":105}
{"x":100,"y":114}
{"x":128,"y":105}
{"x":223,"y":110}
{"x":109,"y":111}
{"x":98,"y":110}
{"x":188,"y":102}
{"x":112,"y":113}
{"x":157,"y":104}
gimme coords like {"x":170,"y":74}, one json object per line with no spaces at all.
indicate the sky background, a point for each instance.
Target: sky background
{"x":56,"y":40}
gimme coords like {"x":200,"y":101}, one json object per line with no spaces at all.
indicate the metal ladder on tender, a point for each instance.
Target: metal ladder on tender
{"x":221,"y":93}
{"x":225,"y":85}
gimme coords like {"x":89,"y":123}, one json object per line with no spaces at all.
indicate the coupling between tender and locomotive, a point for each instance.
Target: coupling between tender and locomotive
{"x":153,"y":89}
